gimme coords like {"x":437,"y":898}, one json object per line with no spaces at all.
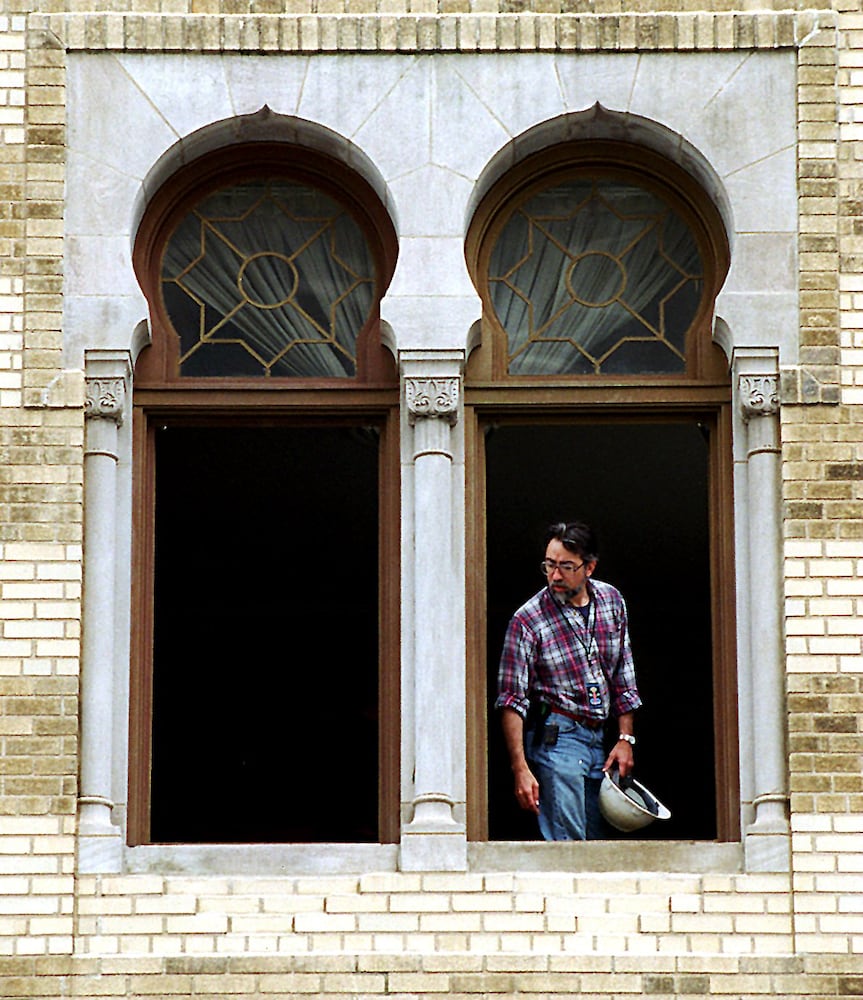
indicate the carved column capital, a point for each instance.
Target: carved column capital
{"x":105,"y":398}
{"x":432,"y":398}
{"x":759,"y":395}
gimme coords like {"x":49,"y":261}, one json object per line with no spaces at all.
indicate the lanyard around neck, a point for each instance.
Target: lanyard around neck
{"x":590,"y":624}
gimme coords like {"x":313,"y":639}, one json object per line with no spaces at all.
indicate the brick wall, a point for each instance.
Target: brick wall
{"x":474,"y":914}
{"x":40,"y":552}
{"x":412,"y":935}
{"x":461,"y":976}
{"x":824,"y":521}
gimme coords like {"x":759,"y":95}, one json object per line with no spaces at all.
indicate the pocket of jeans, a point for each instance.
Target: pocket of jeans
{"x":564,"y":725}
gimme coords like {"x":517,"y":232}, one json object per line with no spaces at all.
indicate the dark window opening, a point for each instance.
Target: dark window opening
{"x":265,"y":661}
{"x":645,"y":488}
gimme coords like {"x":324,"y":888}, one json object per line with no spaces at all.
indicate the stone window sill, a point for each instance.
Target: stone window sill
{"x":343,"y":859}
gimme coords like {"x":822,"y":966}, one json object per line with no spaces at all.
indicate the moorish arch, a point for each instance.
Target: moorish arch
{"x":262,"y":398}
{"x":599,"y":243}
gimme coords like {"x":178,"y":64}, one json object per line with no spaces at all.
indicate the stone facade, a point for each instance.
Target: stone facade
{"x":81,"y":914}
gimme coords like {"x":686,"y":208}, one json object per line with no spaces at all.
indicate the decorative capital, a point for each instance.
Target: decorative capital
{"x":759,"y":395}
{"x":105,"y":398}
{"x":432,"y":397}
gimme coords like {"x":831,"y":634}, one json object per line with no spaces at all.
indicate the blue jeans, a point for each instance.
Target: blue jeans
{"x":569,"y":773}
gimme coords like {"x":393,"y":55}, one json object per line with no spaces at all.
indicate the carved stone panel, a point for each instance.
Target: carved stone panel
{"x":759,"y":395}
{"x":432,"y":397}
{"x":105,"y":399}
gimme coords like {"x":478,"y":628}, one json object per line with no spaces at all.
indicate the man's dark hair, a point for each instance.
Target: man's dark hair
{"x":576,"y":536}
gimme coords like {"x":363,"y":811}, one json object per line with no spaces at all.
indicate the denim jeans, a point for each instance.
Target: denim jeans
{"x":569,"y":773}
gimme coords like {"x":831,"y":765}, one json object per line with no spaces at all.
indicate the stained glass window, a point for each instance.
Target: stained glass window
{"x":595,"y":276}
{"x":268,"y":278}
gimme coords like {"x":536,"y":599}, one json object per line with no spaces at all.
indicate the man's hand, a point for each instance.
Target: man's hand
{"x":527,"y":790}
{"x":621,"y":753}
{"x":526,"y":785}
{"x":620,"y":757}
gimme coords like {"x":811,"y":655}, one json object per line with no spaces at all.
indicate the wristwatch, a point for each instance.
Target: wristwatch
{"x":630,"y":739}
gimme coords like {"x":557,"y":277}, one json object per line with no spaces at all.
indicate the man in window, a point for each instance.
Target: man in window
{"x":566,"y":668}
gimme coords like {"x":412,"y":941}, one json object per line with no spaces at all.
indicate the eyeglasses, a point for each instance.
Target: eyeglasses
{"x":548,"y":566}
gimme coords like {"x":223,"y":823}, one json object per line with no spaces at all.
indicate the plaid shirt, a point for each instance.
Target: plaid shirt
{"x":550,"y":652}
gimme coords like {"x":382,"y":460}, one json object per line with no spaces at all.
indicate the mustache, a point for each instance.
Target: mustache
{"x":566,"y":595}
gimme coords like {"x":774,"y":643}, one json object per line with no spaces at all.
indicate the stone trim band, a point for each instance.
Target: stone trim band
{"x":461,"y":32}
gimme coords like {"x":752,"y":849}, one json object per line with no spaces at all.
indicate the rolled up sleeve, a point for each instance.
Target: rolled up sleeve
{"x":623,"y":688}
{"x":513,"y":674}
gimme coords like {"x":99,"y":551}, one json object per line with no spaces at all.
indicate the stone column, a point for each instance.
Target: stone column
{"x":767,"y":839}
{"x":106,"y":379}
{"x":434,"y":838}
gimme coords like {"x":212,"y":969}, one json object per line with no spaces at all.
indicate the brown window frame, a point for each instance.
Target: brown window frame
{"x":614,"y":161}
{"x":255,"y":161}
{"x":703,"y":392}
{"x":161,"y":395}
{"x":707,"y":404}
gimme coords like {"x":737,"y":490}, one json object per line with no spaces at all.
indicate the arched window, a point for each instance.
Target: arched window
{"x":596,"y":260}
{"x":268,"y":277}
{"x":265,"y":267}
{"x":266,"y":507}
{"x":596,"y":393}
{"x":594,"y":274}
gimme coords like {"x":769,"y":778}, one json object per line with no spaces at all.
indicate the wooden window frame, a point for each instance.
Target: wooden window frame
{"x":702,"y":392}
{"x":161,"y":395}
{"x":159,"y":365}
{"x":154,"y":408}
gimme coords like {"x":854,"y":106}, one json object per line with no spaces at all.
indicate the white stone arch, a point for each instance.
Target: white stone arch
{"x":431,"y":125}
{"x":600,"y":123}
{"x":263,"y":125}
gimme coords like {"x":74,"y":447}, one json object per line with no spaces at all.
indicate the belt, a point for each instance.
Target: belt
{"x":591,"y":722}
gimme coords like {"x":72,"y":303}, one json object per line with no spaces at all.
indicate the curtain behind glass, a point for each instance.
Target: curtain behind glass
{"x":268,"y":278}
{"x":595,"y":275}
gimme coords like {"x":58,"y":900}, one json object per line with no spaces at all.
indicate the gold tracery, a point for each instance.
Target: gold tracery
{"x":545,"y":315}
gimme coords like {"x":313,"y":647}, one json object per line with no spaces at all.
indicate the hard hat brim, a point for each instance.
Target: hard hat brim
{"x":631,"y":807}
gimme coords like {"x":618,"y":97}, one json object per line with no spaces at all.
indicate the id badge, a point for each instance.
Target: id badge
{"x":594,"y":698}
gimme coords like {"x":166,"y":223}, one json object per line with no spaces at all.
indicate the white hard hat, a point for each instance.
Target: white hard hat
{"x":628,"y":805}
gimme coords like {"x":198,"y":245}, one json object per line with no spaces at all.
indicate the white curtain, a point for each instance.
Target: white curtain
{"x":280,"y":269}
{"x":583,"y":264}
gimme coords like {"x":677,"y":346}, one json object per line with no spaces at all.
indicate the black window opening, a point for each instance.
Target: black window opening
{"x":645,"y":488}
{"x":265,"y":662}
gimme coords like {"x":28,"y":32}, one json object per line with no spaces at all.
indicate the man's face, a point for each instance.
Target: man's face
{"x":567,"y":573}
